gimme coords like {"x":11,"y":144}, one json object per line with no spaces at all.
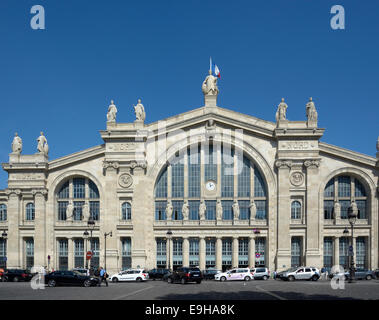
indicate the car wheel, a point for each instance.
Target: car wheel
{"x":16,"y":279}
{"x":368,"y":277}
{"x":183,"y":281}
{"x":139,"y":279}
{"x":51,"y":283}
{"x":247,"y":278}
{"x":265,"y":278}
{"x":114,"y":279}
{"x":222,"y":279}
{"x":198,"y":281}
{"x":87,"y":283}
{"x":291,"y":278}
{"x":169,"y":280}
{"x":314,"y":278}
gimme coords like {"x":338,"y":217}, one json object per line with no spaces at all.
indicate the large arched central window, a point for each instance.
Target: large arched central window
{"x":210,"y":173}
{"x":78,"y":192}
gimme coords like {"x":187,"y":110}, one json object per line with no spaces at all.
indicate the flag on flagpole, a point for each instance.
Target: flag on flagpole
{"x":217,"y":72}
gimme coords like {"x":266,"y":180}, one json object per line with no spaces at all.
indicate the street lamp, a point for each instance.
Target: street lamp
{"x":85,"y":236}
{"x":169,"y":234}
{"x":352,"y":217}
{"x":4,"y":236}
{"x":105,"y":248}
{"x":91,"y":225}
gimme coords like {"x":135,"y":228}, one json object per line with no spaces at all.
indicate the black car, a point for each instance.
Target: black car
{"x":16,"y":275}
{"x":69,"y":278}
{"x":158,"y":273}
{"x":185,"y":274}
{"x":209,"y":274}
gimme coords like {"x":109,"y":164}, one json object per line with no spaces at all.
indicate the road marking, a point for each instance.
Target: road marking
{"x":132,"y":293}
{"x":270,"y":293}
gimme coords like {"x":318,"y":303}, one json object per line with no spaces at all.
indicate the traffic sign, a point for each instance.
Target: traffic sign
{"x":257,"y":255}
{"x":89,"y":255}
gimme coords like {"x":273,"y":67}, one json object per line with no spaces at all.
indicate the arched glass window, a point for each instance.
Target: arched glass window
{"x":79,"y":192}
{"x":295,"y":210}
{"x":348,"y":189}
{"x":30,"y":211}
{"x":3,"y":212}
{"x":126,"y":211}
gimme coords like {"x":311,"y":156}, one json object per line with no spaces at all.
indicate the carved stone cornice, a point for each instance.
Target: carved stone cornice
{"x":141,"y":164}
{"x":9,"y":192}
{"x":283,"y":164}
{"x":312,"y":163}
{"x":110,"y":164}
{"x":41,"y":191}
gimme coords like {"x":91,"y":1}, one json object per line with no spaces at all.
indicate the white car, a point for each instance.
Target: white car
{"x":130,"y":275}
{"x":300,"y":273}
{"x":235,"y":274}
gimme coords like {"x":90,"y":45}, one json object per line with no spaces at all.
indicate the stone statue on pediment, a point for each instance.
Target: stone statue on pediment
{"x":281,"y":111}
{"x":236,"y":210}
{"x":209,"y":86}
{"x":202,"y":210}
{"x":139,"y":111}
{"x":185,"y":210}
{"x":42,"y":146}
{"x":169,"y":209}
{"x":86,"y":212}
{"x":311,"y":111}
{"x":253,"y":210}
{"x":337,"y":209}
{"x":17,"y":144}
{"x":112,"y":112}
{"x":69,"y":211}
{"x":354,"y":206}
{"x":219,"y":210}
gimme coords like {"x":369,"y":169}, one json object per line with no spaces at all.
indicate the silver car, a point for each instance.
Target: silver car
{"x":300,"y":273}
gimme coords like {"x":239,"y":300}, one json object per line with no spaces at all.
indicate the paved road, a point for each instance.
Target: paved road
{"x":207,"y":290}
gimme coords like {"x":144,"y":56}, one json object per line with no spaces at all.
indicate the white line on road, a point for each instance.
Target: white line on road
{"x":270,"y":293}
{"x":132,"y":293}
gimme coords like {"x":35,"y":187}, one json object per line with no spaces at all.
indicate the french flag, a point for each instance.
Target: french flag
{"x":217,"y":72}
{"x":215,"y":68}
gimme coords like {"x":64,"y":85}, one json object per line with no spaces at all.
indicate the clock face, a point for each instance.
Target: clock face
{"x":210,"y":185}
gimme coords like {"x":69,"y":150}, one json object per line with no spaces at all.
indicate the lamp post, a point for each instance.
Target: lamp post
{"x":4,"y":236}
{"x":105,"y":248}
{"x":169,"y":234}
{"x":352,"y":216}
{"x":91,"y":225}
{"x":85,"y":236}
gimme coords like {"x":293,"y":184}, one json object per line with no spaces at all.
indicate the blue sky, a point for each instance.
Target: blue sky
{"x":60,"y":80}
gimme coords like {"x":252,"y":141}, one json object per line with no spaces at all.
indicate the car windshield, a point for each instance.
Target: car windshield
{"x":75,"y":272}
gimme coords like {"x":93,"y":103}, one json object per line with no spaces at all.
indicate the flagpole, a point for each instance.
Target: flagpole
{"x":210,"y":64}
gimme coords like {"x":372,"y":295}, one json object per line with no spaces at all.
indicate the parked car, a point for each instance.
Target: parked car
{"x":16,"y":275}
{"x":185,"y":274}
{"x":130,"y":275}
{"x":158,"y":273}
{"x":300,"y":273}
{"x":360,"y":274}
{"x":82,"y":271}
{"x":210,"y":273}
{"x":235,"y":274}
{"x":376,"y":273}
{"x":167,"y":275}
{"x":69,"y":278}
{"x":260,"y":273}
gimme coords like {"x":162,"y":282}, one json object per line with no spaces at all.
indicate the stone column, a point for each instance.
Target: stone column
{"x":14,"y":249}
{"x":202,"y":253}
{"x":169,"y":253}
{"x":185,"y":251}
{"x":235,"y":252}
{"x":219,"y":253}
{"x":252,"y":252}
{"x":312,"y":245}
{"x":355,"y":250}
{"x":284,"y":215}
{"x":40,"y":255}
{"x":336,"y":251}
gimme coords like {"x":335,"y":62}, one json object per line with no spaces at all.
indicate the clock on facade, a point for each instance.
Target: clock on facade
{"x":210,"y":185}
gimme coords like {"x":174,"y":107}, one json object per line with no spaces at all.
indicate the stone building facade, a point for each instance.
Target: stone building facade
{"x":210,"y":187}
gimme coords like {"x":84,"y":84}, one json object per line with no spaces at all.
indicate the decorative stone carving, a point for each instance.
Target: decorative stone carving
{"x":297,"y":178}
{"x":185,"y":210}
{"x":311,"y":163}
{"x":311,"y":112}
{"x":236,"y":210}
{"x":202,"y":210}
{"x":354,"y":207}
{"x":112,"y":112}
{"x":40,"y":191}
{"x":141,"y":164}
{"x":281,"y":111}
{"x":337,"y":210}
{"x":169,"y":209}
{"x":209,"y":86}
{"x":219,"y":210}
{"x":17,"y":192}
{"x":17,"y":144}
{"x":253,"y":210}
{"x":125,"y":180}
{"x":86,"y":212}
{"x":110,"y":164}
{"x":42,"y":146}
{"x":283,"y":163}
{"x":69,"y":211}
{"x":139,"y":111}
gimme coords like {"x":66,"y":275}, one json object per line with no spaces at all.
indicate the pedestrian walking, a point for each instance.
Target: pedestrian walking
{"x":274,"y":275}
{"x":103,"y":276}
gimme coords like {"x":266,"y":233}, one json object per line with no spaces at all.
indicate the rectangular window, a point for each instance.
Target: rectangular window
{"x":244,"y":177}
{"x":177,"y":179}
{"x":79,"y":253}
{"x":260,"y":248}
{"x":226,"y":254}
{"x":3,"y":253}
{"x":328,"y":209}
{"x":160,"y":210}
{"x":194,"y":210}
{"x":62,"y":207}
{"x":126,"y":253}
{"x":193,"y":173}
{"x":361,"y":204}
{"x":261,"y":209}
{"x":94,"y":209}
{"x":295,"y":252}
{"x":93,"y":191}
{"x":161,"y":186}
{"x":329,"y":189}
{"x":29,"y":248}
{"x":328,"y":252}
{"x":78,"y":210}
{"x":359,"y":189}
{"x":211,"y":210}
{"x":161,"y":253}
{"x":227,"y":211}
{"x":259,"y":186}
{"x":64,"y":192}
{"x":95,"y":248}
{"x":244,"y":209}
{"x":79,"y":188}
{"x":210,"y":253}
{"x":361,"y":253}
{"x":177,"y":210}
{"x":210,"y":163}
{"x":193,"y":252}
{"x":345,"y":204}
{"x":344,"y":253}
{"x":63,"y":254}
{"x":243,"y":253}
{"x":344,"y":186}
{"x":227,"y":172}
{"x":177,"y":259}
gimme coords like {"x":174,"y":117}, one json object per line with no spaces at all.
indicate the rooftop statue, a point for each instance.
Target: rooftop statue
{"x":311,"y":111}
{"x":209,"y":86}
{"x":112,"y":112}
{"x":281,"y":112}
{"x":17,"y":144}
{"x":42,"y":146}
{"x":140,"y":111}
